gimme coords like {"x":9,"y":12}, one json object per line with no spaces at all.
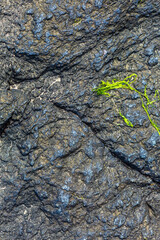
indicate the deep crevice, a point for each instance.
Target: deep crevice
{"x":107,"y":144}
{"x":5,"y":125}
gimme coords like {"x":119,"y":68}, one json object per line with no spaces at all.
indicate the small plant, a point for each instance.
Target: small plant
{"x":126,"y":83}
{"x":125,"y":119}
{"x":77,"y":21}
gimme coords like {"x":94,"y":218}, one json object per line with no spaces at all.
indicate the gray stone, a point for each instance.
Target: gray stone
{"x":153,"y":61}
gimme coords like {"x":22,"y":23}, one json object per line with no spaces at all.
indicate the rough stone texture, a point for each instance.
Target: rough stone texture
{"x":70,"y":167}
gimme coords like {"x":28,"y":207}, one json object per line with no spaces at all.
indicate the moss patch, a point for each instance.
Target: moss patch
{"x":127,"y":83}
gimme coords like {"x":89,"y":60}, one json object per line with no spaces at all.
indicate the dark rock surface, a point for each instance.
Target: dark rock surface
{"x":70,"y":167}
